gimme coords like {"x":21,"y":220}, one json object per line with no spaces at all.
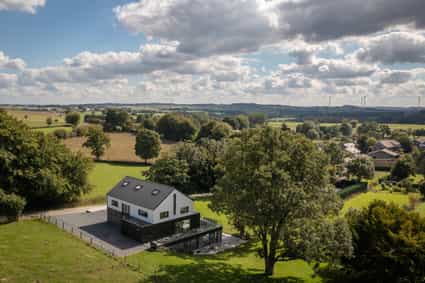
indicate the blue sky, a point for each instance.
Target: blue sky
{"x":63,"y":29}
{"x":201,"y":51}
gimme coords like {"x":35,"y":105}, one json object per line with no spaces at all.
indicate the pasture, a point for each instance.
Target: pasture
{"x":36,"y":119}
{"x":121,"y":149}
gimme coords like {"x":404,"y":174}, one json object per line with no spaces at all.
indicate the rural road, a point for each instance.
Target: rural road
{"x":64,"y":211}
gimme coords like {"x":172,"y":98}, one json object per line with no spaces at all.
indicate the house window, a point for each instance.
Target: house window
{"x":184,"y":210}
{"x":114,"y":203}
{"x":143,"y":213}
{"x":163,"y":215}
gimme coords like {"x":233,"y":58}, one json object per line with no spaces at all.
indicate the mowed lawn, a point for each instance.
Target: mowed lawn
{"x":121,"y":149}
{"x":364,"y":199}
{"x":33,"y":251}
{"x":106,"y":175}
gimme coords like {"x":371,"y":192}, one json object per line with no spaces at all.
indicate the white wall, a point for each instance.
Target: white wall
{"x":134,"y":210}
{"x":167,"y":205}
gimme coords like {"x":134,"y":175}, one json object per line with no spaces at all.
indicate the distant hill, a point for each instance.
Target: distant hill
{"x":323,"y":114}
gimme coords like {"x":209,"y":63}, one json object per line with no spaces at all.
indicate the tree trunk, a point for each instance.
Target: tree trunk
{"x":269,"y":268}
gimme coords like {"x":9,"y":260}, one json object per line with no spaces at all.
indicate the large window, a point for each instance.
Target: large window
{"x":184,"y":210}
{"x":163,"y":215}
{"x":125,"y":209}
{"x":114,"y":203}
{"x":143,"y":213}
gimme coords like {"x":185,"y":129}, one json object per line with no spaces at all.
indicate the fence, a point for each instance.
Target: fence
{"x":88,"y":238}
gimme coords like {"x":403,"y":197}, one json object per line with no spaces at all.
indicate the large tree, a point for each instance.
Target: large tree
{"x":176,"y":127}
{"x":403,"y":168}
{"x":117,"y":120}
{"x":97,"y":141}
{"x":389,"y":245}
{"x":361,"y":167}
{"x":148,"y":144}
{"x":169,"y":171}
{"x":276,"y":182}
{"x":39,"y":167}
{"x":73,"y":118}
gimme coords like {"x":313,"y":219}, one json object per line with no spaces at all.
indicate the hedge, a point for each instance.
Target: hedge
{"x":353,"y":189}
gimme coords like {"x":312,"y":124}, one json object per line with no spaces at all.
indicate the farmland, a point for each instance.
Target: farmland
{"x":36,"y":119}
{"x":122,"y":147}
{"x":293,"y":125}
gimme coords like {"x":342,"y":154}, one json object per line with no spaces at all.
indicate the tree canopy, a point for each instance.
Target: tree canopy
{"x":148,"y":144}
{"x":117,"y":120}
{"x":176,"y":127}
{"x":97,"y":141}
{"x":73,"y":118}
{"x":275,"y":182}
{"x":389,"y":245}
{"x":39,"y":167}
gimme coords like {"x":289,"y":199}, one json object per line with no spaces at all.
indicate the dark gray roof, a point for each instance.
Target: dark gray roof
{"x":144,"y":196}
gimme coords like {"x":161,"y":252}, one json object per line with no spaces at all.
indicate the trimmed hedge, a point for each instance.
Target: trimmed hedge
{"x":353,"y":189}
{"x":11,"y":205}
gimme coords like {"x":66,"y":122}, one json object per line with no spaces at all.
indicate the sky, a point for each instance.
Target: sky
{"x":288,"y":52}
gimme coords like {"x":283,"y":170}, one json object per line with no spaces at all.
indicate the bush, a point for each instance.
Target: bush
{"x":82,"y":131}
{"x":60,"y":134}
{"x":11,"y":205}
{"x":354,"y":189}
{"x":422,"y":189}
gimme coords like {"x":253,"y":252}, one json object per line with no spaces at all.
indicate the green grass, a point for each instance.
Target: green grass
{"x":52,"y":129}
{"x":202,"y":207}
{"x":363,"y":200}
{"x":105,"y":175}
{"x":239,"y":265}
{"x":32,"y":251}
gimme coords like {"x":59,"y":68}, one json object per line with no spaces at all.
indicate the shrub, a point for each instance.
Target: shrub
{"x":354,"y":189}
{"x":60,"y":134}
{"x":82,"y":131}
{"x":422,"y":189}
{"x":11,"y":205}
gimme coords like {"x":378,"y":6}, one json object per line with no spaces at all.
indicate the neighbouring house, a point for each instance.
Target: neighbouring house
{"x":420,"y":143}
{"x":351,"y":149}
{"x":391,"y":145}
{"x":384,"y":158}
{"x":149,"y":211}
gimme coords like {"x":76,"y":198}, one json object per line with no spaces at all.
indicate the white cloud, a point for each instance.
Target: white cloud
{"x":28,"y":6}
{"x":11,"y":64}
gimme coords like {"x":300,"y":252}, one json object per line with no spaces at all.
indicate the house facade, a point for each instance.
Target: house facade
{"x":149,"y":211}
{"x":384,"y":158}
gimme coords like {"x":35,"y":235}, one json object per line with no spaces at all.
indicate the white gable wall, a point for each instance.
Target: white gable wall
{"x":167,"y":205}
{"x":134,"y":210}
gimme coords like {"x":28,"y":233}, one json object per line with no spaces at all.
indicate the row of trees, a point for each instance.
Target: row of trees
{"x":314,"y":130}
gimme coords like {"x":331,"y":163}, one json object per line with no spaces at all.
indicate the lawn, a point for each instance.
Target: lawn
{"x":32,"y":251}
{"x":363,"y":200}
{"x":105,"y":175}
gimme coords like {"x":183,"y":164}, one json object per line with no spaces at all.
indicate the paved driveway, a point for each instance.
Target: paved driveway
{"x":95,"y":224}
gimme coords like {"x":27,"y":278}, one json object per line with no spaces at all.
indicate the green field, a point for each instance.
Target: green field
{"x":52,"y":129}
{"x":32,"y":251}
{"x":105,"y":175}
{"x":292,"y":125}
{"x":36,"y":119}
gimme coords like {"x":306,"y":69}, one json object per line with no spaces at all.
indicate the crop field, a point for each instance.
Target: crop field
{"x":122,"y":147}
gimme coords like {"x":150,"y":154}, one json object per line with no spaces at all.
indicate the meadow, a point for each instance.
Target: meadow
{"x":36,"y":119}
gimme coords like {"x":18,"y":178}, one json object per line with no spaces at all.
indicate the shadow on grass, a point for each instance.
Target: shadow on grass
{"x":211,"y":273}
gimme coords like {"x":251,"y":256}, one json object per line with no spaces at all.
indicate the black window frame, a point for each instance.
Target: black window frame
{"x":184,"y":209}
{"x":166,"y":213}
{"x":142,"y":213}
{"x":114,"y":203}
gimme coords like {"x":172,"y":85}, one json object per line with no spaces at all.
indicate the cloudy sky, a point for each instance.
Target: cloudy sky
{"x":294,"y":52}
